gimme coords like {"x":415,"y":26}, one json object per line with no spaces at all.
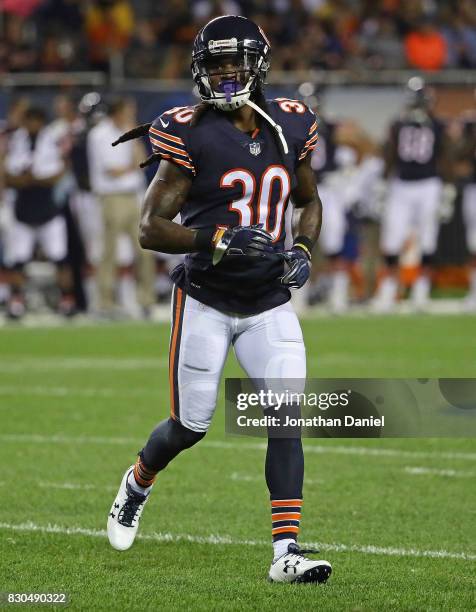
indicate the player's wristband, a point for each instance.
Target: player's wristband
{"x":203,"y":240}
{"x":206,"y":239}
{"x":304,"y":243}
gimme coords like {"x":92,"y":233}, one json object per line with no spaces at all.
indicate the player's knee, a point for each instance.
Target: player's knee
{"x":184,"y":436}
{"x":168,"y":439}
{"x":287,"y":371}
{"x":197,"y":404}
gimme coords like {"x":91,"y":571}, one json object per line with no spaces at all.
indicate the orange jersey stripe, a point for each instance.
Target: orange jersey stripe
{"x":283,"y":516}
{"x":167,"y":147}
{"x":173,"y":348}
{"x":311,"y":140}
{"x":306,"y":151}
{"x":285,"y":530}
{"x":286,"y":502}
{"x":313,"y":128}
{"x":178,"y":161}
{"x":167,"y":136}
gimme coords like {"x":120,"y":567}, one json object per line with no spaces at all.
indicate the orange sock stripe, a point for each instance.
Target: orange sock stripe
{"x":143,"y":476}
{"x":283,"y":516}
{"x":286,"y":502}
{"x":289,"y":528}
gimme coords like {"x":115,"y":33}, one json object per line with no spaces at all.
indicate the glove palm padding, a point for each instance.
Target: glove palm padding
{"x":239,"y":241}
{"x":299,"y":268}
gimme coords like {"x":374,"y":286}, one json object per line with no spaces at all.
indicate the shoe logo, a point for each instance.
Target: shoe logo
{"x":112,"y":514}
{"x":116,"y":505}
{"x":163,"y":122}
{"x":289,"y":565}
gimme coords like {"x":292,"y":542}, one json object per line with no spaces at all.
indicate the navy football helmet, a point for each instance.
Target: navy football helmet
{"x":417,"y":95}
{"x":230,"y":60}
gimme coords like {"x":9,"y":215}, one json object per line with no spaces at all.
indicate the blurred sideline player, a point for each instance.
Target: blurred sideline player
{"x":412,"y":155}
{"x":340,"y":144}
{"x":469,"y":209}
{"x":334,"y":226}
{"x":8,"y":126}
{"x":34,"y":166}
{"x":229,"y":166}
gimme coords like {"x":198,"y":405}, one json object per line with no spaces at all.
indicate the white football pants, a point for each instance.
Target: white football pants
{"x":334,"y":221}
{"x":412,"y":207}
{"x":20,"y":240}
{"x":469,"y":216}
{"x":268,"y":346}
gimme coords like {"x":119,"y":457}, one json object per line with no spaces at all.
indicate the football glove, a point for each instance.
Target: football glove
{"x":299,"y":262}
{"x":239,"y":240}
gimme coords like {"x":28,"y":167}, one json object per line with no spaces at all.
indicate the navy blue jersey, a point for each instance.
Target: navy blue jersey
{"x":470,"y":130}
{"x":323,"y":158}
{"x":79,"y":159}
{"x":35,"y":205}
{"x":237,"y":179}
{"x":417,"y":146}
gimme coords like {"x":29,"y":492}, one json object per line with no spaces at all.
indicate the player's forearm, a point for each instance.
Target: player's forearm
{"x":311,"y":220}
{"x":164,"y":236}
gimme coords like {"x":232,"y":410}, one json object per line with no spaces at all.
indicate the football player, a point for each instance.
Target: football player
{"x":413,"y":155}
{"x":324,"y":164}
{"x":339,"y":191}
{"x":229,"y":166}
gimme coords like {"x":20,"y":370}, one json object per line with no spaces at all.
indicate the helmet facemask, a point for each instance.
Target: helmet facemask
{"x":228,"y":72}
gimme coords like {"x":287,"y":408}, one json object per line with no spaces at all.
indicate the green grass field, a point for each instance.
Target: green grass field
{"x":396,"y":518}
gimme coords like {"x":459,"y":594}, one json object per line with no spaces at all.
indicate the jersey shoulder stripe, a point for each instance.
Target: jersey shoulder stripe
{"x":168,"y":138}
{"x":300,"y":121}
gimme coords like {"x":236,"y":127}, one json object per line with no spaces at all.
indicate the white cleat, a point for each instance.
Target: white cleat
{"x":123,"y":520}
{"x":293,"y":566}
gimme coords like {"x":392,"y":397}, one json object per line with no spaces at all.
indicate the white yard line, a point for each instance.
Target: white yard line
{"x":30,"y":527}
{"x":7,"y":390}
{"x":364,"y":451}
{"x":348,"y":450}
{"x":60,"y":439}
{"x":40,"y":364}
{"x":75,"y":486}
{"x":424,"y":471}
{"x":236,"y":476}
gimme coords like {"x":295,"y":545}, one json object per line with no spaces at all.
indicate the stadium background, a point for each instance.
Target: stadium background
{"x":395,"y":517}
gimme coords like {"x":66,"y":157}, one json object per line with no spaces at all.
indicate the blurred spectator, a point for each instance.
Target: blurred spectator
{"x":119,"y":185}
{"x":153,"y":39}
{"x":425,"y":47}
{"x":109,"y":25}
{"x":461,"y":42}
{"x":23,"y":8}
{"x":382,"y":46}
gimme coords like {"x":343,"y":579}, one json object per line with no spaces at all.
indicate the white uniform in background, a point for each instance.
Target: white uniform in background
{"x":43,"y":161}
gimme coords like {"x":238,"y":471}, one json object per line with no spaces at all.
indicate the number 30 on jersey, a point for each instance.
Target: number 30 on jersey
{"x":261,"y":213}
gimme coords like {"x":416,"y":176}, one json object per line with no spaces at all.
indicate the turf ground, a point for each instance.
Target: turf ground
{"x":395,"y":517}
